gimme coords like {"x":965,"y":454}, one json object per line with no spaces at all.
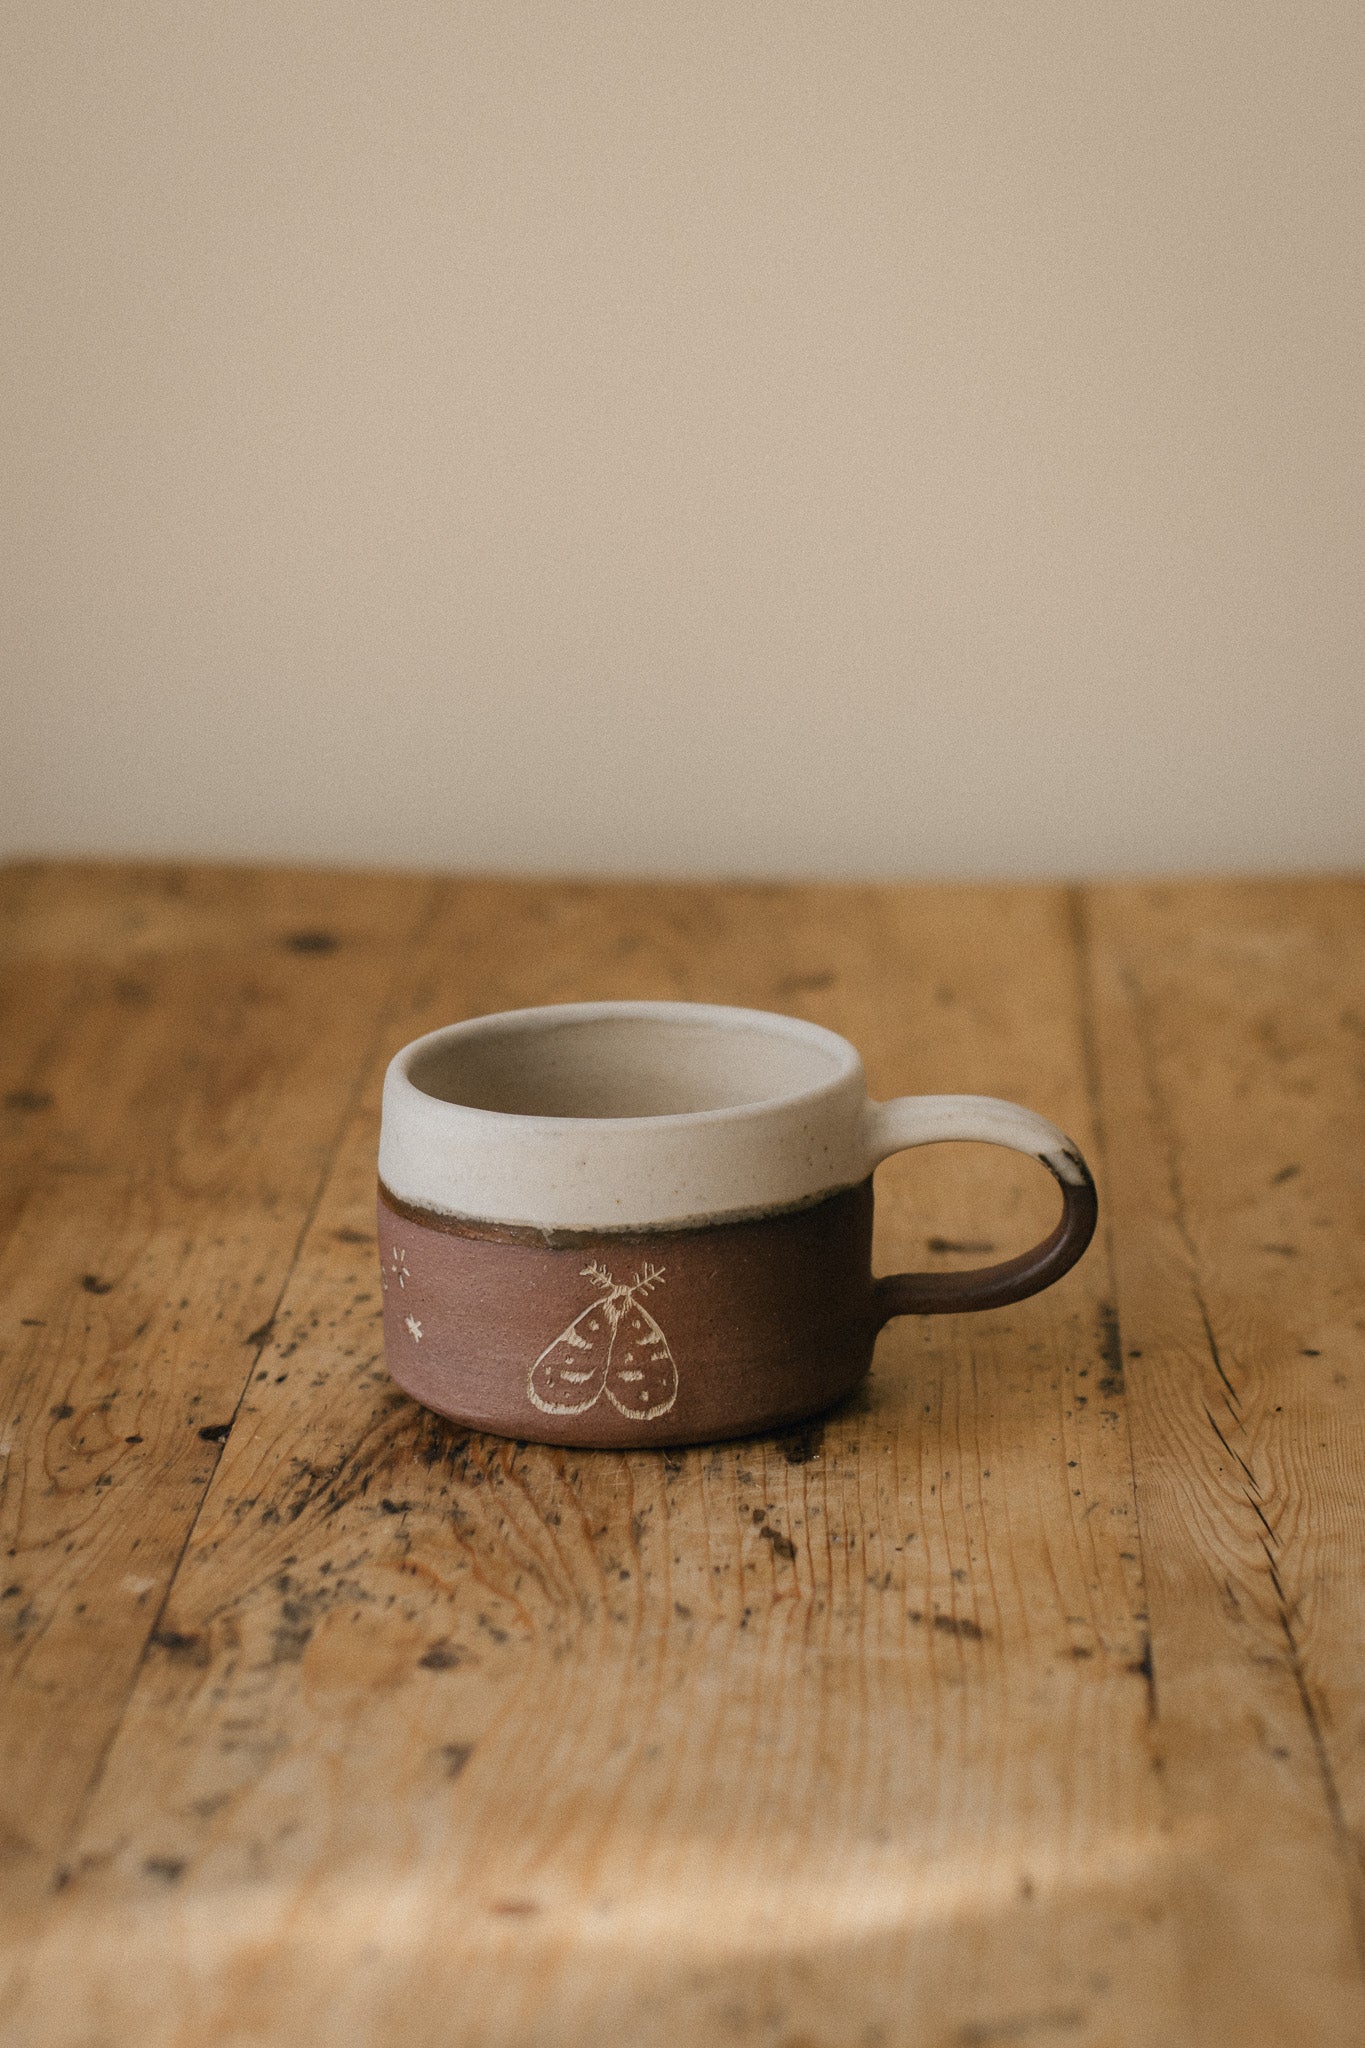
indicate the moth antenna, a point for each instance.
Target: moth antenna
{"x":598,"y":1273}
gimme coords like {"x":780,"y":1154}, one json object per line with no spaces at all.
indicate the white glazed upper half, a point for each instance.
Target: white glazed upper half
{"x":645,"y":1116}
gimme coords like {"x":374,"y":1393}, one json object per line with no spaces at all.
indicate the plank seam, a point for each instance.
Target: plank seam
{"x":1079,"y":918}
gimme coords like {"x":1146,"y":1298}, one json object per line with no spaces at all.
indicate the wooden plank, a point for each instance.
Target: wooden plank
{"x":43,"y":992}
{"x":837,"y":1738}
{"x":1231,"y":1042}
{"x":206,"y":1047}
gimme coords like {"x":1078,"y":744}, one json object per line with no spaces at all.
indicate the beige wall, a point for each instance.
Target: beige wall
{"x":686,"y":436}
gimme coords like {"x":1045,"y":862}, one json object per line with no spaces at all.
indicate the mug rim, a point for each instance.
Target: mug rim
{"x":847,"y":1063}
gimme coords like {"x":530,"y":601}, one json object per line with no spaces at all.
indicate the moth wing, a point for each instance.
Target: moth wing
{"x":569,"y":1374}
{"x":641,"y":1378}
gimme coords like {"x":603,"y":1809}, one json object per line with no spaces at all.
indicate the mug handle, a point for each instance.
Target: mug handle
{"x":939,"y":1119}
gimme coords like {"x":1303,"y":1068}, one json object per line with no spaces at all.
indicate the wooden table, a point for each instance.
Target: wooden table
{"x":1022,"y":1701}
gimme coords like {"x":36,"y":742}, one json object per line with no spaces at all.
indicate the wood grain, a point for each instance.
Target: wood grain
{"x":1231,"y":1028}
{"x":199,"y":1040}
{"x":933,"y":1724}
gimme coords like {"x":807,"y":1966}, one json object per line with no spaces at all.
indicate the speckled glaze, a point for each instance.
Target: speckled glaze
{"x":630,"y":1224}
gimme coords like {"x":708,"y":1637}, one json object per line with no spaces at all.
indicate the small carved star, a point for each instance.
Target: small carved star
{"x":414,"y":1327}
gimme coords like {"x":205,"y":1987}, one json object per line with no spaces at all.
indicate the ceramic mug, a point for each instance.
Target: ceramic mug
{"x":624,"y":1224}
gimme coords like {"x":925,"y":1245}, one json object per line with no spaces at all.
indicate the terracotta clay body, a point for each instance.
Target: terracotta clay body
{"x":718,"y":1332}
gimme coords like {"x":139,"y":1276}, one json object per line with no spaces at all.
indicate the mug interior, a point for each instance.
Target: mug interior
{"x":625,"y":1064}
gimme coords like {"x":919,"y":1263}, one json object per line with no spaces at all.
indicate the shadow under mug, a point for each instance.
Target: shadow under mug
{"x":632,"y":1224}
